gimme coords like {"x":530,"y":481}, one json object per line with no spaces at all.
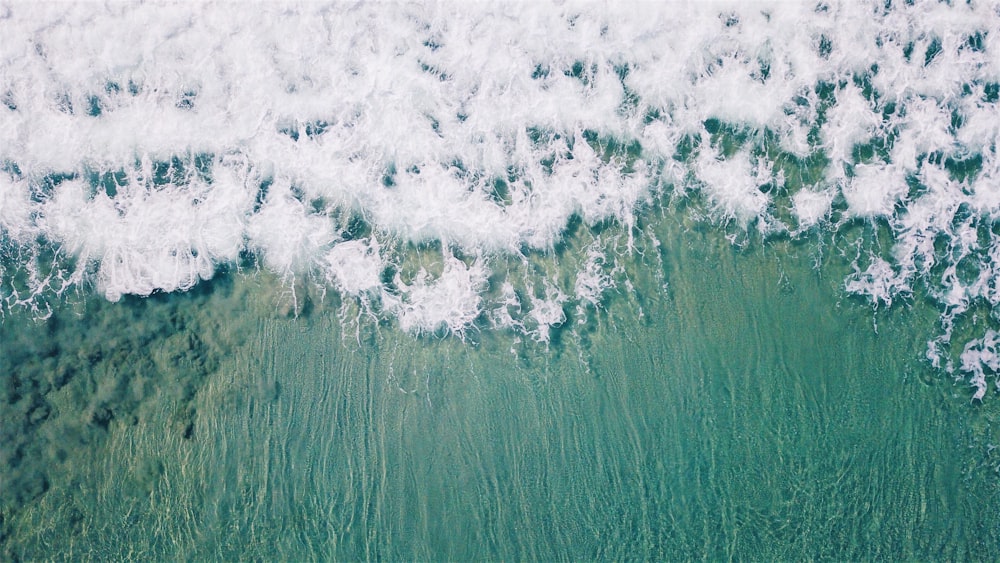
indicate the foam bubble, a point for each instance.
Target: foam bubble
{"x":874,"y":190}
{"x":592,"y":281}
{"x":355,"y":266}
{"x":148,"y":145}
{"x":450,"y":302}
{"x":146,"y":237}
{"x":733,"y":186}
{"x":287,"y":232}
{"x":811,"y":207}
{"x":547,"y":312}
{"x":979,"y":357}
{"x":15,"y":209}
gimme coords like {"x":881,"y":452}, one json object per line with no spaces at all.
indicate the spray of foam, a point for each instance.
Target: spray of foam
{"x":144,"y":146}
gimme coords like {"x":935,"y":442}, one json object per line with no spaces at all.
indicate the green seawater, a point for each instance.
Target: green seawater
{"x":734,"y":405}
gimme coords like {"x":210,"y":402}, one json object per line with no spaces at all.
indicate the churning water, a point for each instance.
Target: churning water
{"x":500,"y":280}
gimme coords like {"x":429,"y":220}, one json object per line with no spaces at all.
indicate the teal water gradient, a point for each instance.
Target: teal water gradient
{"x":747,"y":409}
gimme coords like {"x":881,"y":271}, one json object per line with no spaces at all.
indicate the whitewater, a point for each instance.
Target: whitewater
{"x":414,"y":157}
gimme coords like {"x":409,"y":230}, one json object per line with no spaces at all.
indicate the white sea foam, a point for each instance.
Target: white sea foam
{"x":450,"y":302}
{"x":811,"y":207}
{"x":592,"y":281}
{"x":145,"y":145}
{"x":355,"y":267}
{"x":733,"y":186}
{"x":547,"y":312}
{"x":286,"y":232}
{"x":874,"y":190}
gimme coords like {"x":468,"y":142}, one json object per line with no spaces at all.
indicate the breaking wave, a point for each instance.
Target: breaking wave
{"x":413,"y":157}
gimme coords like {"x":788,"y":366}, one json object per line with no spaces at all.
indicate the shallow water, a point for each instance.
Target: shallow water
{"x":746,"y":411}
{"x":472,"y":281}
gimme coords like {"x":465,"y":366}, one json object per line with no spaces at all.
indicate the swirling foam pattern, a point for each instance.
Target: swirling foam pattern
{"x":145,"y":146}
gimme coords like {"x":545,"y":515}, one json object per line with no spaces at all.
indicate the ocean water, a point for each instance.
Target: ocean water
{"x":435,"y":281}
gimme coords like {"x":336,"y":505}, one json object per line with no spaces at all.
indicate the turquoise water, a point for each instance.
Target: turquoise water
{"x":748,"y":410}
{"x":474,"y":281}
